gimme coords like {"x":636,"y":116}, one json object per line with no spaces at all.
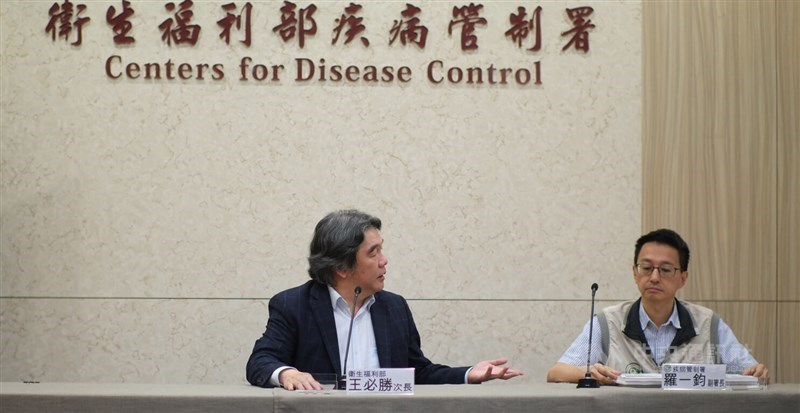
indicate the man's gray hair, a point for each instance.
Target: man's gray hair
{"x":335,"y":243}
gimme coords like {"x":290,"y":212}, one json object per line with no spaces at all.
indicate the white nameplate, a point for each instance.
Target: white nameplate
{"x":693,"y":376}
{"x":381,"y":381}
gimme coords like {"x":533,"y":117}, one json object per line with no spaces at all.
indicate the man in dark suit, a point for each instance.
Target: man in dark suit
{"x":308,"y":326}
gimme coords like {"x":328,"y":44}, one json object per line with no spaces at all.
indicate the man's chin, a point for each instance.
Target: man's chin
{"x":655,"y":295}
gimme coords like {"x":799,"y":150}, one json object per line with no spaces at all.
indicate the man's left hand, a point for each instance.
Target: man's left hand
{"x":758,"y":371}
{"x":491,"y":370}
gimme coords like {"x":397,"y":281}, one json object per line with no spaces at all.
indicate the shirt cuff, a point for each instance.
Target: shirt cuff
{"x":274,"y":379}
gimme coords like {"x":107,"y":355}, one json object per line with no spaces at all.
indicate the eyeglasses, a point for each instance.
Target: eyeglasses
{"x":665,"y":271}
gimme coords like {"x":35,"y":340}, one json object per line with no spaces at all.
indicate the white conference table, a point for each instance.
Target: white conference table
{"x":490,"y":397}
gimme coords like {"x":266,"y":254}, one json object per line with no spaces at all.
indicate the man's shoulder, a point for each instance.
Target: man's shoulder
{"x":696,"y":308}
{"x":302,"y":290}
{"x":619,"y":307}
{"x":389,"y":297}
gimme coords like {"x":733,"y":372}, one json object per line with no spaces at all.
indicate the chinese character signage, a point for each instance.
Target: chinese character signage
{"x":381,"y":381}
{"x":295,"y":26}
{"x":693,"y":376}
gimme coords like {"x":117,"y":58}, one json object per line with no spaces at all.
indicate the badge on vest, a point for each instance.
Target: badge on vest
{"x":634,"y":368}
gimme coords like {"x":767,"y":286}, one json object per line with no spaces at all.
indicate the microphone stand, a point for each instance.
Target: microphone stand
{"x":587,"y":382}
{"x":341,"y":384}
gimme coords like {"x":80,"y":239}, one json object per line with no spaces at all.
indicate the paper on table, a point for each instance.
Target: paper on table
{"x":740,"y":382}
{"x":641,"y":379}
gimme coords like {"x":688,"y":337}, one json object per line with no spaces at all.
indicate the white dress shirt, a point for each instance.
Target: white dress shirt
{"x":363,"y":350}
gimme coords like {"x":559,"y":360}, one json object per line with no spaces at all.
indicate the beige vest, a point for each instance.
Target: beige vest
{"x":627,"y":349}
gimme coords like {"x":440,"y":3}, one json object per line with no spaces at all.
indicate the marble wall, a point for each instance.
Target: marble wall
{"x":145,"y":223}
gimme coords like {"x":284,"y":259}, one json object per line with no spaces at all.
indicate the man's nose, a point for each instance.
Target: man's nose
{"x":653,"y":276}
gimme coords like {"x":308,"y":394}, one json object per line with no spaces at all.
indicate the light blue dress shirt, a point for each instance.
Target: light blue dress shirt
{"x":732,"y":353}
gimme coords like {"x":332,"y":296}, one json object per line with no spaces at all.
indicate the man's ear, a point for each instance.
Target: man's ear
{"x":684,"y":277}
{"x":341,"y":274}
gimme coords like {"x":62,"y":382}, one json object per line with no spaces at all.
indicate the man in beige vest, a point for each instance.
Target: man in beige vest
{"x":639,"y":336}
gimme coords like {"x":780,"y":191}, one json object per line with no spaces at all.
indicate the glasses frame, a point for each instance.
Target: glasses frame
{"x":638,"y":268}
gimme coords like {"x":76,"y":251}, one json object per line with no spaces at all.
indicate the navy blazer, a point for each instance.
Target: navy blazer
{"x":301,"y":333}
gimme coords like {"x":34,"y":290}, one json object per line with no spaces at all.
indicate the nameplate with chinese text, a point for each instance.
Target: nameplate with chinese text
{"x":693,"y":376}
{"x":381,"y":381}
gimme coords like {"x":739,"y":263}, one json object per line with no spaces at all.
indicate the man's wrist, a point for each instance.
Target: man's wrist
{"x":275,"y":379}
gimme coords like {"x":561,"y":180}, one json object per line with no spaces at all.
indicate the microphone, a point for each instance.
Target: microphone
{"x":587,"y":382}
{"x":342,"y":382}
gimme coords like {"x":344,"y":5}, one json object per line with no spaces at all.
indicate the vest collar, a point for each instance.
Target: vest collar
{"x":633,"y":325}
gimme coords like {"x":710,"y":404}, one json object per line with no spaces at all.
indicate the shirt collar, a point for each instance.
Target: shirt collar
{"x":337,"y":301}
{"x":673,"y":319}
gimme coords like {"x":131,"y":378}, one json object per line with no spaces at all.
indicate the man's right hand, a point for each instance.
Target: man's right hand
{"x":604,"y":375}
{"x":292,"y":379}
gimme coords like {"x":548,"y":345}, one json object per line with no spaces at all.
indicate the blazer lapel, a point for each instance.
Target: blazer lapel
{"x":322,"y":309}
{"x":380,"y":326}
